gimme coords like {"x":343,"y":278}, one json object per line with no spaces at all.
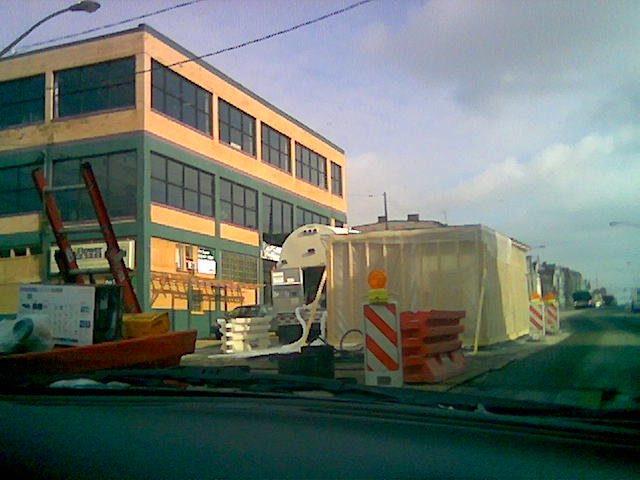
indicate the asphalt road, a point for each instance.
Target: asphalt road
{"x":597,"y":365}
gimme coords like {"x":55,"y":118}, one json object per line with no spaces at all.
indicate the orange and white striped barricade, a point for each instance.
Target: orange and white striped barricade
{"x":536,"y":319}
{"x":551,"y":316}
{"x":431,"y":347}
{"x":382,"y":354}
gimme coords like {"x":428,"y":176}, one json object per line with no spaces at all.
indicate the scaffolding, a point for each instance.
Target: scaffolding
{"x":198,"y":292}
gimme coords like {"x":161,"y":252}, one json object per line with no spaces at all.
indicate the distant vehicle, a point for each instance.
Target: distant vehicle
{"x":249,"y":311}
{"x":582,"y":299}
{"x":609,"y":300}
{"x":635,"y":299}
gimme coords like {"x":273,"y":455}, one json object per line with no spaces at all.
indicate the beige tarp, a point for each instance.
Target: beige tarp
{"x":440,"y":268}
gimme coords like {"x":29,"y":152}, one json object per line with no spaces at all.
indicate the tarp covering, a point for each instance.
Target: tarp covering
{"x":439,"y":268}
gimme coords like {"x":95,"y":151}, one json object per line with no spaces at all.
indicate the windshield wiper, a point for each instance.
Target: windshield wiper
{"x":241,"y":380}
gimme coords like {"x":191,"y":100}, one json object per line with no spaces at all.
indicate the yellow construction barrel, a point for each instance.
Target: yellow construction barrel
{"x":136,"y":325}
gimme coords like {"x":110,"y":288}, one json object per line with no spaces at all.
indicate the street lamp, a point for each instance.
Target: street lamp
{"x":84,"y":6}
{"x":628,"y":224}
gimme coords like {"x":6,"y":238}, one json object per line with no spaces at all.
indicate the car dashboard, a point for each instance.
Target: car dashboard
{"x":106,"y":435}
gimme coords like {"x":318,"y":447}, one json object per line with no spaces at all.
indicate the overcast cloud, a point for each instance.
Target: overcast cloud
{"x":521,"y":115}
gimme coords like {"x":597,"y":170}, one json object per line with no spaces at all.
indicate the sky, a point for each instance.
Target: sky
{"x":520,"y":115}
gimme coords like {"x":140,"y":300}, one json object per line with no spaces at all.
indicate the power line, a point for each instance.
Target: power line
{"x":226,"y":49}
{"x":121,"y":22}
{"x":275,"y":34}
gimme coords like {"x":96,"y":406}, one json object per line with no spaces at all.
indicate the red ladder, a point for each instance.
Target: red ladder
{"x":66,"y":260}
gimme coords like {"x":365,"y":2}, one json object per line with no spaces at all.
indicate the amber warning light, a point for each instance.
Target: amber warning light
{"x":377,"y":280}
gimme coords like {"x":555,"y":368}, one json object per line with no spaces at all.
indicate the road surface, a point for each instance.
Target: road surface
{"x":597,"y":365}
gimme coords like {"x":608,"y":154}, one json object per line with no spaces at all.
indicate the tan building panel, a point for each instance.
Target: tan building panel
{"x":239,"y":234}
{"x":20,"y":224}
{"x":182,"y":220}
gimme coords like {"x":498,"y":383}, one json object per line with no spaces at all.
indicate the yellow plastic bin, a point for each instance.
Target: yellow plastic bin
{"x":136,"y":325}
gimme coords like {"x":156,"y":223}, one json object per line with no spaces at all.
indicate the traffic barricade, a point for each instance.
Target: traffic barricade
{"x":382,"y":354}
{"x":431,"y":346}
{"x":551,"y":315}
{"x":536,"y":318}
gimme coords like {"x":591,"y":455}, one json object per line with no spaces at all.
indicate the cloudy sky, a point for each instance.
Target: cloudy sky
{"x":520,"y":115}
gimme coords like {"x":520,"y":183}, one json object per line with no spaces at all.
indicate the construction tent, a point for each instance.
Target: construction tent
{"x":471,"y":268}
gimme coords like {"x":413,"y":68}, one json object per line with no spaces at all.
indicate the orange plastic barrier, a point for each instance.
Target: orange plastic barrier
{"x":431,"y":345}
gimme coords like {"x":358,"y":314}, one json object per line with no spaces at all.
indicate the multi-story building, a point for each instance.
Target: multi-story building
{"x":199,"y":174}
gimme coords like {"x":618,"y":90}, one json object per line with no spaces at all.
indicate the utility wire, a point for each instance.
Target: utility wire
{"x":121,"y":22}
{"x":115,"y":78}
{"x":275,"y":34}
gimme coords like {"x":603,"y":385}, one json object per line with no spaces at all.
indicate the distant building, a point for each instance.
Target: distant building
{"x":561,"y":281}
{"x":200,"y":174}
{"x":412,"y":222}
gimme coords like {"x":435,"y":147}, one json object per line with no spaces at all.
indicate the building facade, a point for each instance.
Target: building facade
{"x":200,"y":175}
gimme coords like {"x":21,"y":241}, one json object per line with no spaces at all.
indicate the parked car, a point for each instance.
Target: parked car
{"x":249,"y":311}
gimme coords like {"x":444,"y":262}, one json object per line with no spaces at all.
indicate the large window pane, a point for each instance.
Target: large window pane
{"x":158,"y":191}
{"x":22,"y":101}
{"x":206,"y":206}
{"x":311,"y":166}
{"x":275,"y":148}
{"x":191,"y":201}
{"x":96,"y":87}
{"x":174,"y":196}
{"x":239,"y":203}
{"x":336,"y":179}
{"x":305,"y":216}
{"x":17,"y":191}
{"x":174,"y":172}
{"x":158,"y":167}
{"x":191,"y":178}
{"x":116,"y":177}
{"x":181,"y":186}
{"x":180,"y":98}
{"x":206,"y":183}
{"x":225,"y":190}
{"x":250,"y":199}
{"x":237,"y":128}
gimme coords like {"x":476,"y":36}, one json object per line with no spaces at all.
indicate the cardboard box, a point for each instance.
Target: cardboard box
{"x":70,"y":309}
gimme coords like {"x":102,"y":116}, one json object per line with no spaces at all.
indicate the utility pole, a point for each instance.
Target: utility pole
{"x":386,"y":212}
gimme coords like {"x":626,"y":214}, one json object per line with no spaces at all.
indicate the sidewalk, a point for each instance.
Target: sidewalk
{"x":350,"y":366}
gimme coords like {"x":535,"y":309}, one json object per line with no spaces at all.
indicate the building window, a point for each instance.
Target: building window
{"x":238,"y":267}
{"x":276,"y":148}
{"x":178,"y":185}
{"x":116,"y":176}
{"x":18,"y":193}
{"x":193,"y":259}
{"x":237,"y":128}
{"x":338,"y":223}
{"x":336,"y":179}
{"x":239,"y":204}
{"x":307,"y":216}
{"x":311,"y":166}
{"x":22,"y":101}
{"x":180,"y":98}
{"x":277,"y":216}
{"x":93,"y":88}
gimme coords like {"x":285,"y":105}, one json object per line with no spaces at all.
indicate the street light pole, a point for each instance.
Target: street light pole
{"x":386,"y":211}
{"x":84,"y":6}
